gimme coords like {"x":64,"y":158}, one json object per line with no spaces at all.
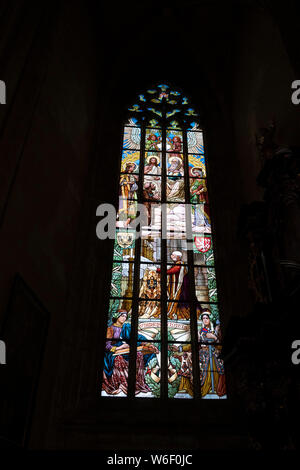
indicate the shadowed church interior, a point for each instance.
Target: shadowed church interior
{"x":72,"y":69}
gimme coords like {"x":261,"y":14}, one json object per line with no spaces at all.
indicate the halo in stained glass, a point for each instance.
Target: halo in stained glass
{"x":195,"y":162}
{"x":172,"y":113}
{"x":124,"y":246}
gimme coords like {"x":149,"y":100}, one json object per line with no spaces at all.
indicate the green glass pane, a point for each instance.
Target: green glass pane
{"x":205,"y":284}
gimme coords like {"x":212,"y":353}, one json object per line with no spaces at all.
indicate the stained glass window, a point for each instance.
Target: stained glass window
{"x":163,"y":336}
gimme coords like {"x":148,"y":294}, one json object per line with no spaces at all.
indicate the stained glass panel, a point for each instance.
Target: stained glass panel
{"x":203,"y":249}
{"x":175,"y":190}
{"x":115,"y":369}
{"x":197,"y":163}
{"x":150,"y":287}
{"x":174,"y":125}
{"x":175,"y":165}
{"x":180,"y":371}
{"x":151,"y":247}
{"x":119,"y":316}
{"x":152,"y":165}
{"x":177,"y":284}
{"x":179,"y":321}
{"x":127,"y":212}
{"x":122,"y":280}
{"x":153,"y":139}
{"x":132,"y":138}
{"x":201,"y":218}
{"x":174,"y":141}
{"x":152,"y":189}
{"x":128,"y":186}
{"x":176,"y":221}
{"x":205,"y":284}
{"x":148,"y":370}
{"x":149,"y":310}
{"x":153,"y":215}
{"x":212,"y":375}
{"x":130,"y":161}
{"x":124,"y":246}
{"x":163,"y":292}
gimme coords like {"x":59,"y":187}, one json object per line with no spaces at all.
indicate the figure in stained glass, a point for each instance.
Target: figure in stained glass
{"x":175,"y":166}
{"x":151,"y":193}
{"x":199,"y":195}
{"x":116,"y":358}
{"x":211,"y":365}
{"x":152,"y":166}
{"x":177,"y":288}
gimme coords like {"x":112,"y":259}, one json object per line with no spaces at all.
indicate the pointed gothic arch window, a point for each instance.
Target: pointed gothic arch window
{"x":163,"y":336}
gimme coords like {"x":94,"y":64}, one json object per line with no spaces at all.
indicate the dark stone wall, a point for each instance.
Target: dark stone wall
{"x":47,"y":138}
